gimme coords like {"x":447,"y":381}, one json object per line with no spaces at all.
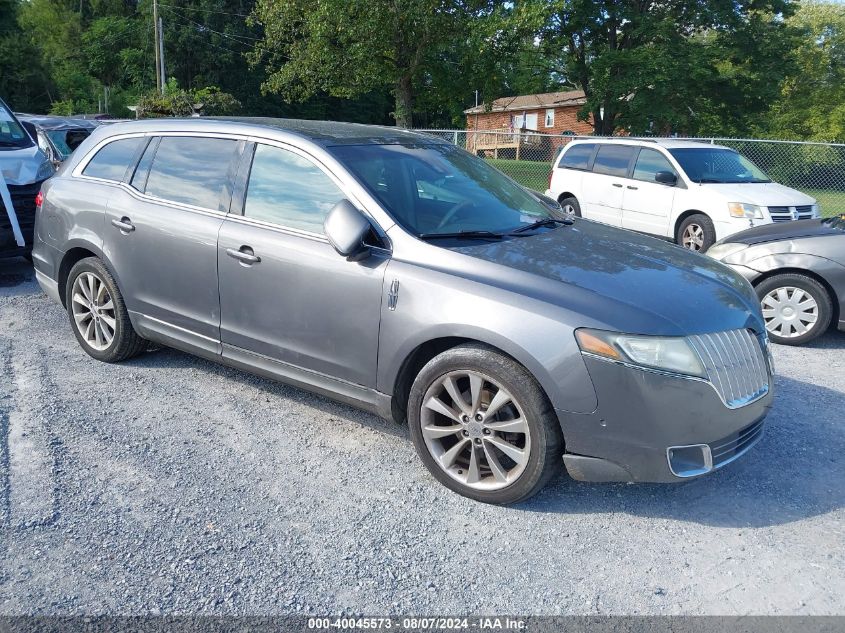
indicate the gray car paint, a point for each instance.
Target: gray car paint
{"x":316,"y":320}
{"x":816,"y":246}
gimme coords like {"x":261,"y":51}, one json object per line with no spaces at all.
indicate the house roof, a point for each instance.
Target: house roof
{"x":533,"y":102}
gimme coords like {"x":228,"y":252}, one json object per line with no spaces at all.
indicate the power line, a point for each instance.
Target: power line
{"x":231,"y":36}
{"x":169,"y":6}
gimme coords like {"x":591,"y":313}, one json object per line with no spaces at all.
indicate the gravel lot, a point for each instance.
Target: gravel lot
{"x":170,"y":484}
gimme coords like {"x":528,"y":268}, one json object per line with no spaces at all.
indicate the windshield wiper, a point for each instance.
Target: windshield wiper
{"x":470,"y":235}
{"x":539,"y":223}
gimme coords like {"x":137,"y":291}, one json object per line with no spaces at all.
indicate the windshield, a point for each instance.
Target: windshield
{"x":715,"y":164}
{"x":440,"y":189}
{"x":12,"y":134}
{"x":68,"y":140}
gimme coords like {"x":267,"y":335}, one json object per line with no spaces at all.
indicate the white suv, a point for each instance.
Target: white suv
{"x":692,"y":193}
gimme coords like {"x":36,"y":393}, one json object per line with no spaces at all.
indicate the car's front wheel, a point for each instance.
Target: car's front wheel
{"x":696,"y":233}
{"x":98,"y":315}
{"x":483,"y":426}
{"x":796,"y":308}
{"x":571,"y":207}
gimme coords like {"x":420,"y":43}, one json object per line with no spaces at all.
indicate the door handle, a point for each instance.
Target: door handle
{"x":245,"y":255}
{"x":124,"y":224}
{"x":631,"y":187}
{"x":617,"y":184}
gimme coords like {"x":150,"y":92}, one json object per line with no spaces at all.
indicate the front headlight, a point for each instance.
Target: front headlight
{"x":669,"y":353}
{"x":45,"y":171}
{"x":742,"y":210}
{"x":722,"y":251}
{"x":815,"y":210}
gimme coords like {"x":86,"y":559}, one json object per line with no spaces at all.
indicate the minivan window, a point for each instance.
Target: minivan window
{"x":112,"y":161}
{"x":192,"y":170}
{"x":649,"y":162}
{"x":717,"y":165}
{"x":289,"y":190}
{"x":578,"y":156}
{"x":613,"y":160}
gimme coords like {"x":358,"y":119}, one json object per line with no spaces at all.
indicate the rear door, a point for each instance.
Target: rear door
{"x":161,"y":236}
{"x":285,"y":294}
{"x":647,"y":204}
{"x":603,"y":187}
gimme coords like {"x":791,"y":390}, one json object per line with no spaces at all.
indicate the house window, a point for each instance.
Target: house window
{"x":550,"y":117}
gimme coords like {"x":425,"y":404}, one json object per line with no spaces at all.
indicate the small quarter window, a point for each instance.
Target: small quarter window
{"x":289,"y":190}
{"x":112,"y":161}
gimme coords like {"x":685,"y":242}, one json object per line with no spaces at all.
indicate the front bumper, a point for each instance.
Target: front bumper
{"x":642,"y":414}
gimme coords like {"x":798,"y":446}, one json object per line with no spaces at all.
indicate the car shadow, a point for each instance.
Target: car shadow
{"x":834,"y":339}
{"x":795,"y":472}
{"x":171,"y":358}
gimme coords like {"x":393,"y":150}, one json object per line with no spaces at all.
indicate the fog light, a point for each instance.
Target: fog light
{"x":689,"y":461}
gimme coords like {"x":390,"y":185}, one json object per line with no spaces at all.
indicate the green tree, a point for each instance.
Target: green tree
{"x":664,"y":66}
{"x":812,"y":101}
{"x":348,"y":48}
{"x":23,"y":82}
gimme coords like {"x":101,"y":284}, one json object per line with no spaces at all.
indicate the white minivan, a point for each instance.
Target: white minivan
{"x":692,"y":193}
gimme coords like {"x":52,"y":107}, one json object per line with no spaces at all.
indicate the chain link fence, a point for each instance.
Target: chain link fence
{"x":817,"y":169}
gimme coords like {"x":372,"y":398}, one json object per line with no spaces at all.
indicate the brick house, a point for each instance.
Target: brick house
{"x":518,"y":122}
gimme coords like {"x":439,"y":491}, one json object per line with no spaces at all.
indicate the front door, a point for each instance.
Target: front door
{"x":161,"y":236}
{"x":647,"y":204}
{"x":285,"y":294}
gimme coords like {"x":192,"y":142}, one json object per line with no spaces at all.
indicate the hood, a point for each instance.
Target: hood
{"x":784,"y":231}
{"x":622,"y":280}
{"x":24,"y":166}
{"x":765,"y":194}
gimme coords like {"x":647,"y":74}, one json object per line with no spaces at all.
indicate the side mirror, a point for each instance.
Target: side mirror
{"x":346,"y":227}
{"x":666,"y":178}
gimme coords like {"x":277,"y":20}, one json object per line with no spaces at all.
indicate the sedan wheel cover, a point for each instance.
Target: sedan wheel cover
{"x":789,"y":312}
{"x":93,"y":311}
{"x":475,"y":430}
{"x":693,"y":237}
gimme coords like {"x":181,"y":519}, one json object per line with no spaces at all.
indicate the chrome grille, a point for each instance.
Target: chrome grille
{"x":729,"y":448}
{"x":736,"y":365}
{"x":785,"y":214}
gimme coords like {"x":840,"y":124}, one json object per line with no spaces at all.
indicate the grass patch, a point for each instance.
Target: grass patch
{"x":535,"y":175}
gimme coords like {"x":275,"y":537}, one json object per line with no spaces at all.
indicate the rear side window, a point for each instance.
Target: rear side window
{"x":289,"y":190}
{"x":613,"y":160}
{"x":112,"y":161}
{"x":649,"y":162}
{"x":192,"y":170}
{"x":578,"y":156}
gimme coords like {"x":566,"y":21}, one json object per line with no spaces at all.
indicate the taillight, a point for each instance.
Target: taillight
{"x":39,"y":199}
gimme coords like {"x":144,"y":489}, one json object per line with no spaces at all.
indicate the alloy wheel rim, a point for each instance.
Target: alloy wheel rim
{"x":93,"y":311}
{"x":475,"y":430}
{"x":693,"y":237}
{"x":569,"y":210}
{"x":789,"y":312}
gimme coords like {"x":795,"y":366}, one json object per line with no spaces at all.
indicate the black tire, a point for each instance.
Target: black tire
{"x":571,"y":201}
{"x":823,"y":311}
{"x":546,"y":439}
{"x":126,"y":343}
{"x":699,"y":224}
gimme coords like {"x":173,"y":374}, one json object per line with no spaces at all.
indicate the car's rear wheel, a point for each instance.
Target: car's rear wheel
{"x":696,"y":233}
{"x":571,"y":207}
{"x":796,"y":308}
{"x":98,"y":315}
{"x":483,"y":426}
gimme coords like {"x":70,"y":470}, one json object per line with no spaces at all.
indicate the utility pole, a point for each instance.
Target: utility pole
{"x":161,"y":53}
{"x":159,"y":85}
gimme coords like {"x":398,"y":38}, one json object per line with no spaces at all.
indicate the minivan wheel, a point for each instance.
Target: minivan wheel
{"x":98,"y":315}
{"x":796,"y":308}
{"x":483,"y":426}
{"x":696,"y":233}
{"x":571,"y":207}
